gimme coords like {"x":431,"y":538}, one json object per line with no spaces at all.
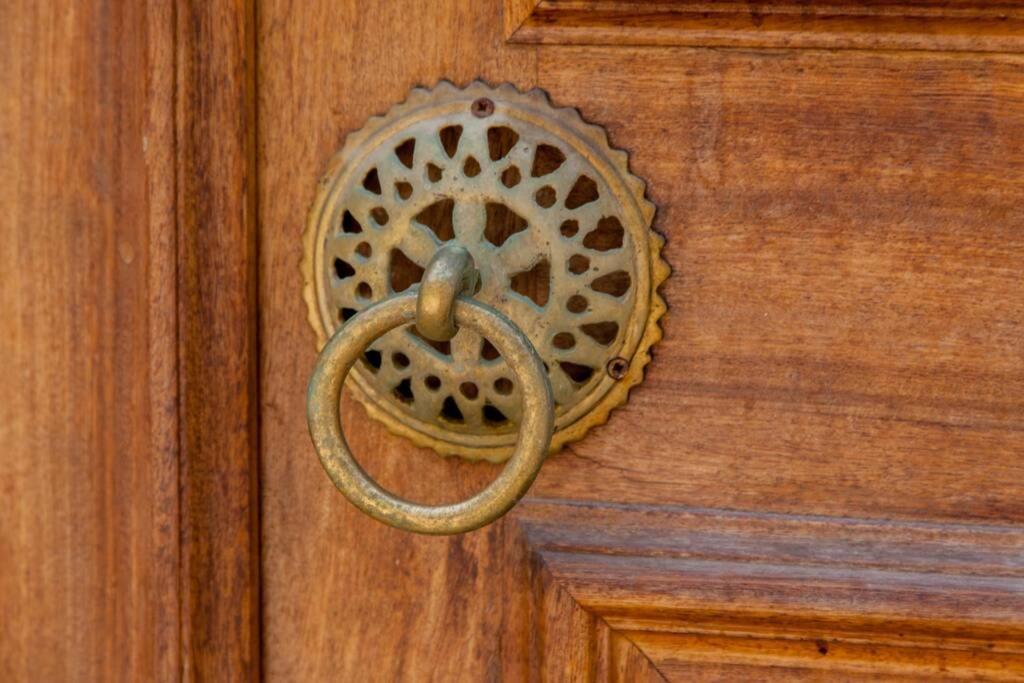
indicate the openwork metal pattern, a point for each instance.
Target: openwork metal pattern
{"x":557,"y":226}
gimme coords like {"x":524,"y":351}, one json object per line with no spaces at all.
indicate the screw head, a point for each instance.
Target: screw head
{"x":482,"y":107}
{"x":617,"y":367}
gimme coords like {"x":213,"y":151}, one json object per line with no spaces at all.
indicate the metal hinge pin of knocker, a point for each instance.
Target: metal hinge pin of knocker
{"x":439,"y":306}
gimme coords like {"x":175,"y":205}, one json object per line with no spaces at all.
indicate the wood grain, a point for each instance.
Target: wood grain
{"x":569,"y":642}
{"x":795,"y":594}
{"x":844,"y":324}
{"x":970,"y":26}
{"x":89,"y":535}
{"x":335,"y":582}
{"x":130,"y":253}
{"x":217,"y":311}
{"x":843,"y":341}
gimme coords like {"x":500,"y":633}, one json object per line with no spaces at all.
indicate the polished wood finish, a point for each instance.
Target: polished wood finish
{"x":217,"y":309}
{"x":371,"y":602}
{"x":843,"y":334}
{"x":88,"y":466}
{"x":129,"y":550}
{"x":841,"y":364}
{"x":819,"y":479}
{"x":960,"y":25}
{"x":798,"y":595}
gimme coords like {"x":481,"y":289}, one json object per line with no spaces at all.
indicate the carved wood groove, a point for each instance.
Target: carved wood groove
{"x":955,"y":26}
{"x":574,"y":644}
{"x":218,"y":388}
{"x":794,"y":595}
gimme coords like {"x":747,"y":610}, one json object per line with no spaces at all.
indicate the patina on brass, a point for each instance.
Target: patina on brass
{"x":449,"y":274}
{"x":558,"y":228}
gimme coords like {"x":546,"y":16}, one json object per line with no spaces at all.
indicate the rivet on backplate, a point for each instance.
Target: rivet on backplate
{"x":617,"y":367}
{"x":482,"y":107}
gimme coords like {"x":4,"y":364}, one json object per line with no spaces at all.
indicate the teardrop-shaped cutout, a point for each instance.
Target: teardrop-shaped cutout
{"x":500,"y":141}
{"x":349,"y":224}
{"x":583,"y":192}
{"x":608,"y":235}
{"x":450,"y":410}
{"x":372,"y":359}
{"x":489,"y":351}
{"x":439,"y":217}
{"x":535,"y":283}
{"x":616,"y":284}
{"x":603,"y":333}
{"x":406,"y":151}
{"x":371,"y":183}
{"x":576,"y":372}
{"x":502,"y":223}
{"x":450,"y":139}
{"x":492,"y":415}
{"x":403,"y":392}
{"x":547,"y":159}
{"x":342,"y":269}
{"x":404,"y":271}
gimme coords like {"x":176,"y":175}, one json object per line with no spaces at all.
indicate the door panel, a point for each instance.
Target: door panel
{"x":128,"y":361}
{"x":88,"y":428}
{"x":821,"y":471}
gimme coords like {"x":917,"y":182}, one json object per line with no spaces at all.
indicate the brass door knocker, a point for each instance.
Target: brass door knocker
{"x":482,"y":268}
{"x":440,"y":305}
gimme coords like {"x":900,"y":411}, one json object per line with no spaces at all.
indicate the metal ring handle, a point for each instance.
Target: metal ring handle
{"x":324,"y":416}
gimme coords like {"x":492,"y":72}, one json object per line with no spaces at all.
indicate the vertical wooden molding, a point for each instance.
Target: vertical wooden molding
{"x":160,"y":157}
{"x":88,"y":352}
{"x":217,"y":309}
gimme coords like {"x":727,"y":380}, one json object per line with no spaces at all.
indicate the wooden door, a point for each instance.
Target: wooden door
{"x":820,"y":477}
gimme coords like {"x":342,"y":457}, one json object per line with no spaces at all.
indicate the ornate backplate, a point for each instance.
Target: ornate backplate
{"x":557,"y":226}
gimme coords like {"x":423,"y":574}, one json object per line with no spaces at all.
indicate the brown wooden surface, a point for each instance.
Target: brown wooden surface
{"x":129,"y":549}
{"x":695,"y":587}
{"x":336,"y":583}
{"x":88,"y":463}
{"x":217,"y":340}
{"x":843,"y":342}
{"x":820,"y":478}
{"x":959,"y":25}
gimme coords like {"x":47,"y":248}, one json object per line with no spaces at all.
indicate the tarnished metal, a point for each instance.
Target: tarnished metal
{"x":451,"y":272}
{"x":451,"y":269}
{"x":554,"y":221}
